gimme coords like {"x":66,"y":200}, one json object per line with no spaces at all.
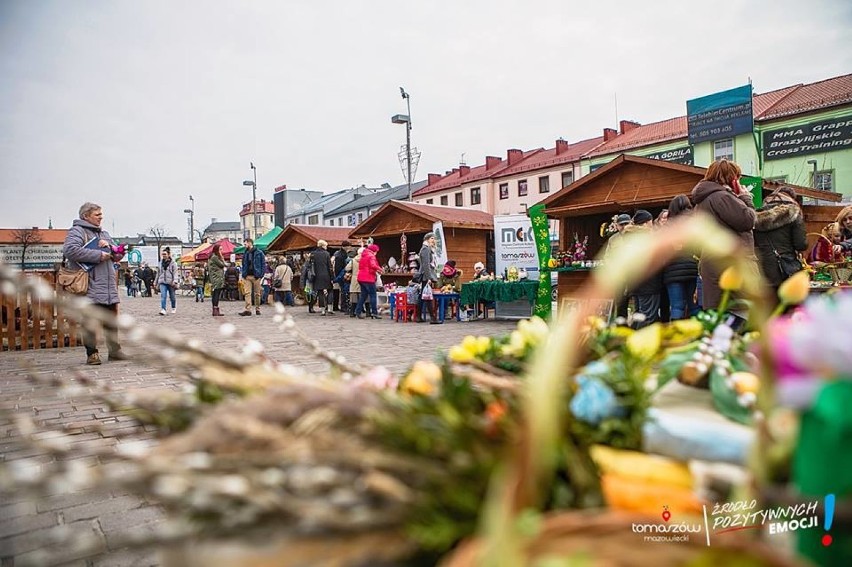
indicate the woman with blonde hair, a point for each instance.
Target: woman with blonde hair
{"x":721,"y":196}
{"x":844,"y":223}
{"x":824,"y":248}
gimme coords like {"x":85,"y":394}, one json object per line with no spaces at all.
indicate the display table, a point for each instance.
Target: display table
{"x":497,"y":290}
{"x":445,"y":299}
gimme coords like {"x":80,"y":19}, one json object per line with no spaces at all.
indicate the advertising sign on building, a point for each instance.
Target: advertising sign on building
{"x":514,"y":244}
{"x":720,"y":115}
{"x":38,"y":257}
{"x":682,"y":155}
{"x":813,"y":138}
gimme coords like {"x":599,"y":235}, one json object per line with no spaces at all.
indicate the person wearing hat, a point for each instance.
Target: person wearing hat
{"x":427,"y":274}
{"x":479,"y":270}
{"x":368,"y":270}
{"x":779,"y":237}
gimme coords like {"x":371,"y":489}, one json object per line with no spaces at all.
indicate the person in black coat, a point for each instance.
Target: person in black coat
{"x":323,"y":276}
{"x":779,"y":235}
{"x":680,"y":276}
{"x":339,"y":261}
{"x":646,"y":295}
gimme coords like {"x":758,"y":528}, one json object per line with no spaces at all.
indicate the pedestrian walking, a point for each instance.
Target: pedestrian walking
{"x":254,"y":266}
{"x":167,"y":280}
{"x":88,"y":247}
{"x":216,"y":275}
{"x":323,"y":275}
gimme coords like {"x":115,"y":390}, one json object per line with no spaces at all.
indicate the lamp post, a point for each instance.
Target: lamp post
{"x":253,"y":185}
{"x":191,"y":213}
{"x":406,"y":119}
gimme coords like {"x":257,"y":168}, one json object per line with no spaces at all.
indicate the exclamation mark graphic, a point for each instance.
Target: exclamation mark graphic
{"x":829,"y":518}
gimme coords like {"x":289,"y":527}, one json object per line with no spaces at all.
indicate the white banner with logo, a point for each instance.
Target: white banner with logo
{"x":514,"y":245}
{"x":440,"y":244}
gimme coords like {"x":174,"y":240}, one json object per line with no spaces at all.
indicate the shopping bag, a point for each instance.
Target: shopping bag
{"x":75,"y":282}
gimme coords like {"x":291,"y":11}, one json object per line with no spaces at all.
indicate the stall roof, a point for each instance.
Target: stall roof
{"x":190,"y":256}
{"x":299,"y":237}
{"x":629,"y":181}
{"x":396,"y":217}
{"x":263,"y":240}
{"x":226,"y":246}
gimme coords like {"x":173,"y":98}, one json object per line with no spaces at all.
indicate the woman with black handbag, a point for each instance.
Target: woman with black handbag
{"x":779,"y":237}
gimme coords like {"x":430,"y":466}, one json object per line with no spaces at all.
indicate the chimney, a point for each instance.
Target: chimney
{"x":561,"y":146}
{"x":433,"y":178}
{"x":514,"y":156}
{"x":491,"y":162}
{"x":464,"y":170}
{"x":609,"y":134}
{"x":625,"y":126}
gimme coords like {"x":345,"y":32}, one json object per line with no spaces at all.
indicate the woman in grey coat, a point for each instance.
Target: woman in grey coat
{"x":87,"y":246}
{"x":427,"y":274}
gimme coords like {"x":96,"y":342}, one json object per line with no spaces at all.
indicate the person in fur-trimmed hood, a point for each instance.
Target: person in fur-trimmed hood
{"x":779,"y":227}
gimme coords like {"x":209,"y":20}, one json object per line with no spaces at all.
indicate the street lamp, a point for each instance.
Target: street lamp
{"x":406,"y":119}
{"x":191,"y":213}
{"x":253,"y":185}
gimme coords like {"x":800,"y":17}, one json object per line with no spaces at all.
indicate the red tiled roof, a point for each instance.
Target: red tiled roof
{"x":322,"y":232}
{"x":548,"y":158}
{"x":48,"y":235}
{"x":644,"y":135}
{"x":455,"y":179}
{"x":813,"y":96}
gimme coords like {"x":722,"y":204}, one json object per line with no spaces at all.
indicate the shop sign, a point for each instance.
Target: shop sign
{"x":720,"y":115}
{"x":814,"y":138}
{"x":681,"y":155}
{"x":39,"y":256}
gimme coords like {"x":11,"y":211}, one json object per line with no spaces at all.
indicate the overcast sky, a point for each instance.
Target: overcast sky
{"x":138,"y":104}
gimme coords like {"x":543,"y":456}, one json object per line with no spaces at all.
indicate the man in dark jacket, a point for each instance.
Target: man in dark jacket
{"x":323,"y":276}
{"x":147,"y":276}
{"x":254,"y":266}
{"x":338,"y":263}
{"x":779,"y":235}
{"x":88,"y":247}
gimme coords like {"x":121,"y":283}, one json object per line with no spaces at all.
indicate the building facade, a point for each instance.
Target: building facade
{"x":257,"y":221}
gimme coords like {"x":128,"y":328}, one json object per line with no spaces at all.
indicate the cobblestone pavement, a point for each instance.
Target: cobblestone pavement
{"x":26,"y":525}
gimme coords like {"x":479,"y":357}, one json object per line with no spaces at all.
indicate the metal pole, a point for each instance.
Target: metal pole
{"x":408,"y":140}
{"x":254,"y":200}
{"x":192,"y":221}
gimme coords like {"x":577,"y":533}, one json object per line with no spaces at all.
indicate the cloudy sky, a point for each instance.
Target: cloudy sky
{"x":138,"y":104}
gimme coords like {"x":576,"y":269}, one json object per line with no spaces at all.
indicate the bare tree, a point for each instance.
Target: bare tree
{"x":26,"y":237}
{"x":158,"y":231}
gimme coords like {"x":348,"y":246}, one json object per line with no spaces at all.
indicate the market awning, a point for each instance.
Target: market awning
{"x":264,"y":240}
{"x":226,"y":246}
{"x":190,"y":256}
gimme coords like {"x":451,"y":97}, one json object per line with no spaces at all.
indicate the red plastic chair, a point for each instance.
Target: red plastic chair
{"x":403,"y":309}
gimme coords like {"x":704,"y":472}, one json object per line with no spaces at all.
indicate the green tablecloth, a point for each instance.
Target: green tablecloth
{"x":496,"y":290}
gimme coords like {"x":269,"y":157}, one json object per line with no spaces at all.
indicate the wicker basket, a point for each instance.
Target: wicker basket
{"x":841,"y":273}
{"x":606,"y":538}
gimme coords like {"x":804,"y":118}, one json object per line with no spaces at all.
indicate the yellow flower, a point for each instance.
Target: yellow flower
{"x":516,"y":345}
{"x":460,"y":354}
{"x":731,"y":279}
{"x":745,"y":382}
{"x":423,"y":379}
{"x":795,"y":289}
{"x":646,"y":342}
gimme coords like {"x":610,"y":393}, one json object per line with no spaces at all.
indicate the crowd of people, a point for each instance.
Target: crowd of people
{"x":771,"y":237}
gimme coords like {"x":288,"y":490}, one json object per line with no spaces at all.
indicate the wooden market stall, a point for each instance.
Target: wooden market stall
{"x":628,"y":183}
{"x":297,"y":239}
{"x":469,"y":234}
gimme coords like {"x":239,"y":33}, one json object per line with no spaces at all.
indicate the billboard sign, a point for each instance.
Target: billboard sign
{"x":720,"y":115}
{"x":514,"y":244}
{"x":813,"y":138}
{"x":682,"y":155}
{"x":38,"y":257}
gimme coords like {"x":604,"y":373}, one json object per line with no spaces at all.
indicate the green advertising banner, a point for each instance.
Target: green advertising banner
{"x":541,"y":235}
{"x":754,"y":185}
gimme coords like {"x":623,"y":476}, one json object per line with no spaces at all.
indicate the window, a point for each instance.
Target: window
{"x":475,"y":196}
{"x":504,"y":190}
{"x":360,"y":217}
{"x":313,"y":219}
{"x":351,"y":220}
{"x":567,"y":178}
{"x":544,"y":184}
{"x":460,"y":199}
{"x":331,"y":222}
{"x":723,"y":149}
{"x":445,"y":199}
{"x":823,"y":180}
{"x":522,"y":188}
{"x":429,"y":201}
